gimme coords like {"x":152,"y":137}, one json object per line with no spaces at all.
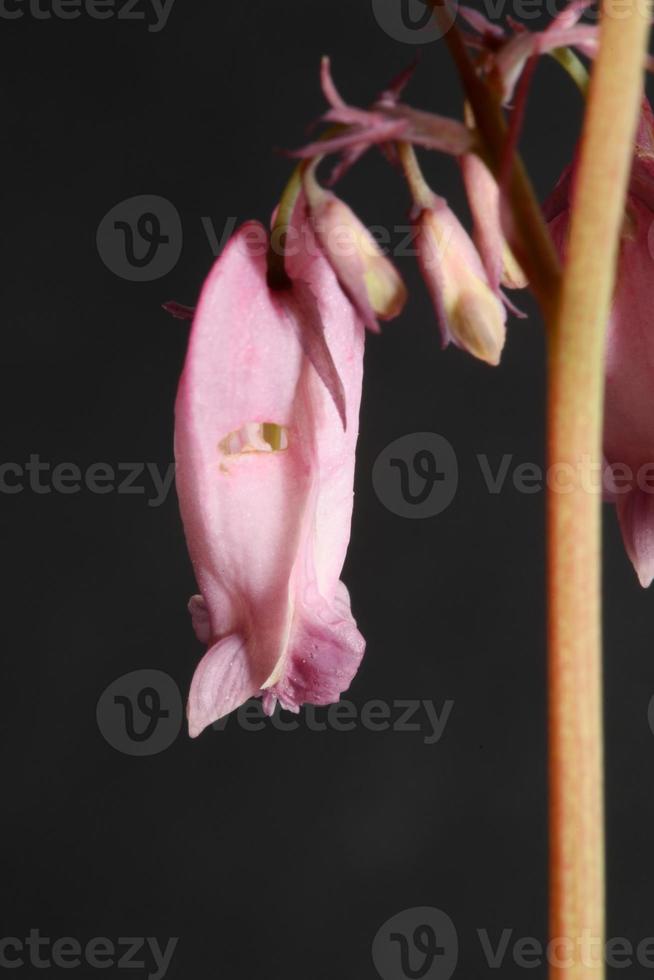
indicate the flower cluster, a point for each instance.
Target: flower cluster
{"x":267,"y":410}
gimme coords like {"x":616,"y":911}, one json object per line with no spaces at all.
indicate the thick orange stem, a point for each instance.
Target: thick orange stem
{"x":577,"y":351}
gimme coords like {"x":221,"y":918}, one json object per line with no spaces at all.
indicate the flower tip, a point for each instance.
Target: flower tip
{"x":478,"y":326}
{"x":385,"y":287}
{"x":194,"y":729}
{"x":513,"y":276}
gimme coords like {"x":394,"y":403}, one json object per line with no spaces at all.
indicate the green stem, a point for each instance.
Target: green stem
{"x":278,"y":278}
{"x":421,"y":192}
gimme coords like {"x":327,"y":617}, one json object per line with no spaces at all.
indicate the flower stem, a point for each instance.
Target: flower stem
{"x":421,"y":192}
{"x":576,"y":363}
{"x":278,"y":278}
{"x":532,"y":243}
{"x":575,"y":68}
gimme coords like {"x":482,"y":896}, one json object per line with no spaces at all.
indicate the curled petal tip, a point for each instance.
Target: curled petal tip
{"x":179,"y":310}
{"x":636,"y":516}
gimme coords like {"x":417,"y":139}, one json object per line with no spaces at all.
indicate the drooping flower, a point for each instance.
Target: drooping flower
{"x":464,"y":283}
{"x":367,"y":276}
{"x":629,"y":389}
{"x":265,"y":467}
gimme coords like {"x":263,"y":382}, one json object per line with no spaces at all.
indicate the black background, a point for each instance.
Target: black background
{"x":270,"y":853}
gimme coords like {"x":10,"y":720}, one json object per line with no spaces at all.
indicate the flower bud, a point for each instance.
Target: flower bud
{"x":469,"y":313}
{"x":370,"y":281}
{"x":483,"y":196}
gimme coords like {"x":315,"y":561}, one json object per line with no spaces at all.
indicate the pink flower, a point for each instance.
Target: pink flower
{"x":629,"y":411}
{"x":266,"y":427}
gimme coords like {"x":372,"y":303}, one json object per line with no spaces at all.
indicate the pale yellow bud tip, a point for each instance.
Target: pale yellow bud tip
{"x":513,"y":276}
{"x":477,"y":325}
{"x":386,"y":290}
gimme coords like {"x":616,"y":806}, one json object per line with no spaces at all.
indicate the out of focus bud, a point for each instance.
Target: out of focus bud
{"x":512,"y":276}
{"x":483,"y":195}
{"x":370,"y":281}
{"x":469,"y":312}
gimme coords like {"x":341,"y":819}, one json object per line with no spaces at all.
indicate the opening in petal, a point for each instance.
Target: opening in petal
{"x":255,"y":437}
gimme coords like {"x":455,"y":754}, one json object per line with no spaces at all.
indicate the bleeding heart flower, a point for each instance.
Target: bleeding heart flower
{"x":629,"y":409}
{"x":265,"y":467}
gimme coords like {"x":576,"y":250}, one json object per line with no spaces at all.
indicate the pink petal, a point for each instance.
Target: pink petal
{"x":329,"y":89}
{"x":301,"y":308}
{"x":571,"y":15}
{"x":223,"y":680}
{"x":179,"y":310}
{"x":629,"y":410}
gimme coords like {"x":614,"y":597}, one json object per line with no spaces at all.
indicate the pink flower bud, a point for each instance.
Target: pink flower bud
{"x":469,"y":312}
{"x":483,"y":196}
{"x":367,"y":277}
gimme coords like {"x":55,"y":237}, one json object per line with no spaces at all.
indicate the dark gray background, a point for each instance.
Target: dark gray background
{"x":270,"y":854}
